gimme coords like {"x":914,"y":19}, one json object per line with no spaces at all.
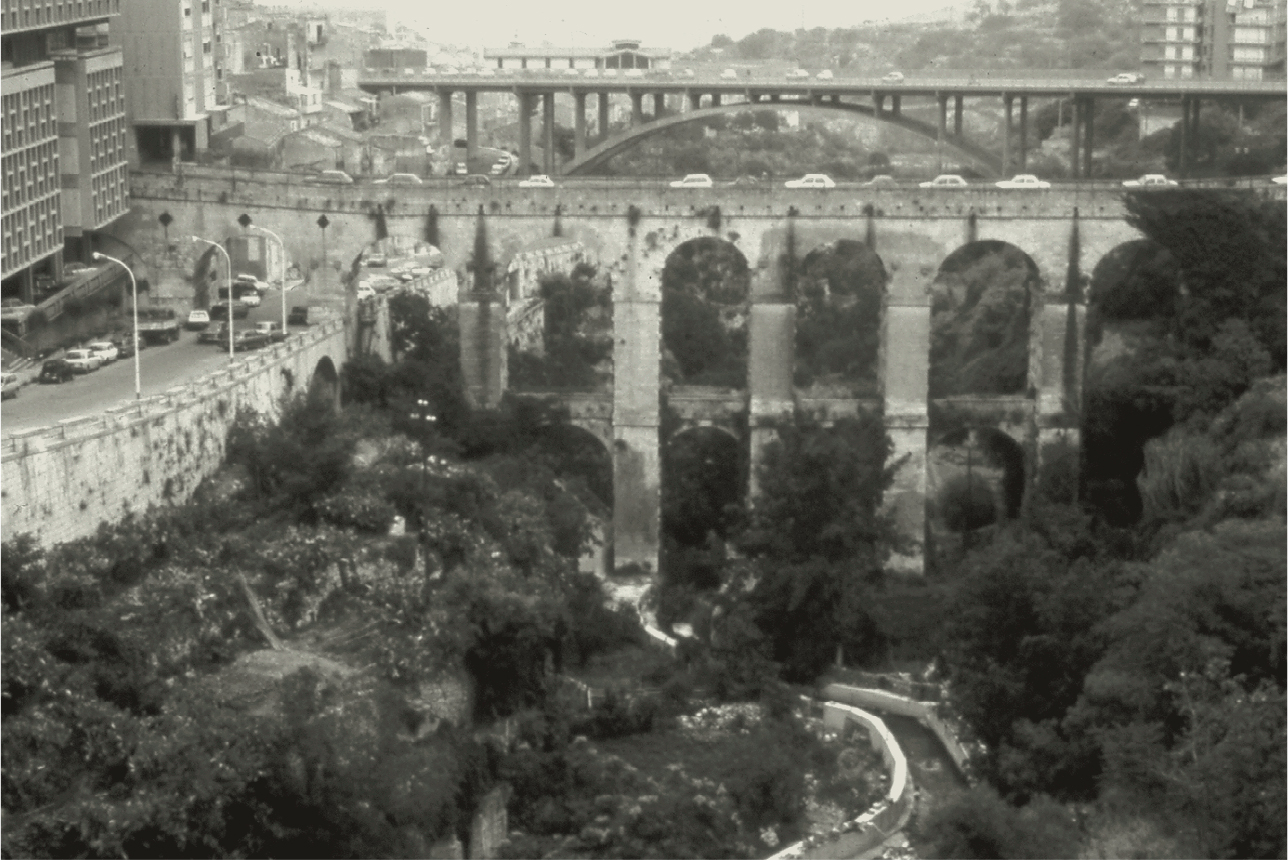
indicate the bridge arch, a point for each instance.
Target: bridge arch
{"x":705,"y":293}
{"x":596,"y":157}
{"x":704,"y":472}
{"x":839,"y":289}
{"x":324,"y":383}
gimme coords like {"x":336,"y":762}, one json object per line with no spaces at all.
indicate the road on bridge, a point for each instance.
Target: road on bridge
{"x":160,"y":367}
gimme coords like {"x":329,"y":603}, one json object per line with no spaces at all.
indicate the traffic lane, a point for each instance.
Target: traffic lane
{"x":160,"y":368}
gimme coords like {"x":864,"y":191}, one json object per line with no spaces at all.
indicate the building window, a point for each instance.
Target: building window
{"x":205,"y":47}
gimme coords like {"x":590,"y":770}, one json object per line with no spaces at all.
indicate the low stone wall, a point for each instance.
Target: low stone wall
{"x":925,"y":713}
{"x":61,"y":481}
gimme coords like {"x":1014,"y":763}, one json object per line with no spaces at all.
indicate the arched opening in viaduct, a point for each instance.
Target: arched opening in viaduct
{"x":980,"y":314}
{"x":839,"y":290}
{"x":1133,"y":293}
{"x":705,"y":299}
{"x":585,"y":466}
{"x":704,"y":483}
{"x":324,"y":383}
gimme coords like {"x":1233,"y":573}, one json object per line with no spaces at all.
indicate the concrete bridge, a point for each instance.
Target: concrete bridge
{"x":632,"y":228}
{"x":877,"y":97}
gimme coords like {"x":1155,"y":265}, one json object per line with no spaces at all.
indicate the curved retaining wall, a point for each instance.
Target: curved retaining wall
{"x":61,"y":481}
{"x":923,"y":712}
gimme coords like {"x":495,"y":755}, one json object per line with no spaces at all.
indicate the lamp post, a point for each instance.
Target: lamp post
{"x":229,"y":304}
{"x":134,"y":292}
{"x":282,"y":281}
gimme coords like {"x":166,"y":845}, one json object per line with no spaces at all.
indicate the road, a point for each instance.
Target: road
{"x":160,"y":367}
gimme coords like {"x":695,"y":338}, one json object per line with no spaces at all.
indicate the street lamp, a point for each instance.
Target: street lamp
{"x":229,"y":303}
{"x":134,"y":292}
{"x":282,"y":282}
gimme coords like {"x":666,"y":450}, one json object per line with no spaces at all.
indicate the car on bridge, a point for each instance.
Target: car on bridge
{"x":1126,"y":78}
{"x":299,"y":316}
{"x":104,"y":350}
{"x":539,"y":180}
{"x":892,"y":78}
{"x":1023,"y":180}
{"x":825,"y":75}
{"x":794,"y":74}
{"x":811,"y":180}
{"x":400,"y":179}
{"x":272,"y":330}
{"x":124,"y":344}
{"x":82,"y":360}
{"x":365,"y":291}
{"x":334,"y":177}
{"x":55,"y":371}
{"x":729,"y":75}
{"x":1150,"y":180}
{"x":946,"y":180}
{"x":694,"y":180}
{"x":217,"y":335}
{"x":244,"y":340}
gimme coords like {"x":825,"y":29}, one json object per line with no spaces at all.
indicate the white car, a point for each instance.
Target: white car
{"x":198,"y":320}
{"x":811,"y":180}
{"x":245,"y":279}
{"x":82,"y":360}
{"x":694,"y":180}
{"x":572,"y":72}
{"x":400,"y":179}
{"x":104,"y":350}
{"x":539,"y":180}
{"x":1150,"y":180}
{"x":365,"y":291}
{"x":250,"y":300}
{"x":729,"y":75}
{"x":335,"y":177}
{"x":892,"y":78}
{"x":882,"y":179}
{"x":825,"y":75}
{"x":1126,"y":78}
{"x":686,"y":73}
{"x":795,"y":74}
{"x":1023,"y":180}
{"x":946,"y":180}
{"x":1279,"y":180}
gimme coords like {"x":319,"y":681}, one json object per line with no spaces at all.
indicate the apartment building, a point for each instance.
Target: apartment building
{"x":173,"y":64}
{"x":1241,"y":40}
{"x":64,"y":161}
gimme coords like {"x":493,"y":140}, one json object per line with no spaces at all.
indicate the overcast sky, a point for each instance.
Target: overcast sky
{"x":679,"y":24}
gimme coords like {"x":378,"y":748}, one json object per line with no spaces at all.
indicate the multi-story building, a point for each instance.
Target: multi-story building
{"x":64,"y":163}
{"x":173,"y":63}
{"x":623,"y":54}
{"x":1240,"y":40}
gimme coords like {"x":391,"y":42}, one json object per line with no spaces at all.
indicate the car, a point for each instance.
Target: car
{"x":252,"y":339}
{"x":729,"y":75}
{"x":217,"y":335}
{"x":55,"y":371}
{"x":400,"y":179}
{"x":1133,"y":104}
{"x":9,"y":385}
{"x":82,"y":360}
{"x":1126,"y":78}
{"x":365,"y":291}
{"x":220,"y":311}
{"x":273,"y":330}
{"x":298,"y":316}
{"x":811,"y":180}
{"x":795,"y":74}
{"x":335,"y":177}
{"x":1150,"y":180}
{"x":946,"y":180}
{"x":881,"y":180}
{"x":124,"y":344}
{"x":1279,"y":180}
{"x":476,"y":179}
{"x":694,"y":180}
{"x":1023,"y":180}
{"x":376,"y":261}
{"x":104,"y":350}
{"x":825,"y":75}
{"x":248,"y":280}
{"x":250,"y":300}
{"x":892,"y":78}
{"x":539,"y":180}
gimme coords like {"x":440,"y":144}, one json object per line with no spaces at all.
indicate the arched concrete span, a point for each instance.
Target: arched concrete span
{"x":597,"y":156}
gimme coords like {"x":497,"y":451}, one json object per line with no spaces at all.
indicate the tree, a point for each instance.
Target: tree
{"x":979,"y":824}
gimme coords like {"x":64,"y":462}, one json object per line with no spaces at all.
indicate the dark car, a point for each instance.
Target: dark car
{"x":298,"y":316}
{"x":476,"y":179}
{"x":220,"y":311}
{"x":249,"y":340}
{"x":125,"y":346}
{"x":56,"y":371}
{"x":747,"y":182}
{"x":217,"y":335}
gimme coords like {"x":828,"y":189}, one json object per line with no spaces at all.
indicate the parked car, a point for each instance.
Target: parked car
{"x":400,"y":179}
{"x":694,"y":180}
{"x":250,"y":339}
{"x":375,"y":261}
{"x":365,"y":291}
{"x":272,"y":329}
{"x":1150,"y":180}
{"x":197,"y":320}
{"x":825,"y":75}
{"x":82,"y":360}
{"x":9,"y":385}
{"x":796,"y":74}
{"x":244,"y":280}
{"x":217,"y":335}
{"x":881,"y":180}
{"x":55,"y":371}
{"x":946,"y":180}
{"x":1279,"y":180}
{"x":334,"y":177}
{"x":539,"y":180}
{"x":220,"y":311}
{"x":1023,"y":180}
{"x":892,"y":78}
{"x":811,"y":180}
{"x":124,"y":344}
{"x":747,"y":181}
{"x":476,"y":179}
{"x":250,"y":299}
{"x":104,"y":350}
{"x":729,"y":75}
{"x":1126,"y":78}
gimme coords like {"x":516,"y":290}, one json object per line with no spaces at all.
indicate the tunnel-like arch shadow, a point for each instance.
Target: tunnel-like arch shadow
{"x":706,"y":289}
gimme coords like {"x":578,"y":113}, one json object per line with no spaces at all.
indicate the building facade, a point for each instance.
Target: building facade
{"x":63,"y":115}
{"x":1242,"y":40}
{"x":174,"y":58}
{"x":623,"y":54}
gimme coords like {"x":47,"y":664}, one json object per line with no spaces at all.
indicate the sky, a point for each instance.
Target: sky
{"x":678,"y":24}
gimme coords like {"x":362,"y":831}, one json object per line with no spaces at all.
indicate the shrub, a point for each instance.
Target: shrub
{"x":966,"y":504}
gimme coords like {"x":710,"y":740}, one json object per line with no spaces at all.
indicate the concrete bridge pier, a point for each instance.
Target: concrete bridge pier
{"x":484,"y":357}
{"x":1008,"y":100}
{"x":957,"y":116}
{"x":525,"y":134}
{"x":445,"y":119}
{"x":637,"y":109}
{"x":471,"y":126}
{"x":896,"y":104}
{"x":602,"y":104}
{"x":771,"y":344}
{"x":695,"y":100}
{"x":579,"y":125}
{"x":1074,"y":136}
{"x":1088,"y":135}
{"x":659,"y":105}
{"x":905,"y":377}
{"x":637,"y":468}
{"x":715,"y":99}
{"x":548,"y":133}
{"x":941,"y":132}
{"x":1024,"y":132}
{"x":1058,"y":418}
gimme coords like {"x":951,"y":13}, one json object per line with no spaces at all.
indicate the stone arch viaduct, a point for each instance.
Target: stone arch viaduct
{"x":632,"y":227}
